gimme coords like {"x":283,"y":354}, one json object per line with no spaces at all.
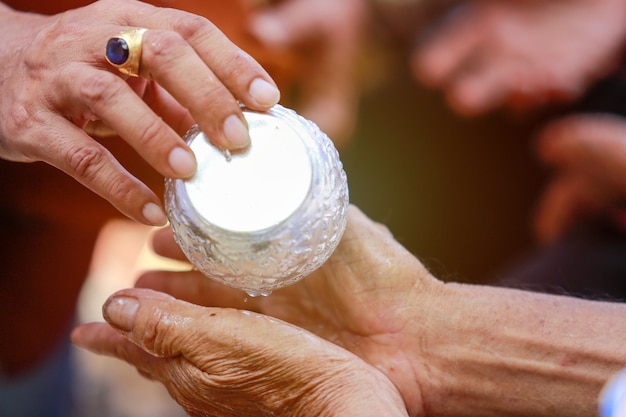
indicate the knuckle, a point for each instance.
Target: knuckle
{"x":15,"y":144}
{"x":164,"y":46}
{"x":240,"y":63}
{"x":26,"y":111}
{"x":99,"y":87}
{"x":62,"y":33}
{"x":148,"y":133}
{"x":63,"y":27}
{"x":155,"y":332}
{"x":123,"y":189}
{"x":21,"y":118}
{"x":189,"y":25}
{"x":85,"y":161}
{"x":215,"y":95}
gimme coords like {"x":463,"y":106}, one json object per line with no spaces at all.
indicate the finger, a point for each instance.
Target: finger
{"x":166,"y":56}
{"x":334,"y":112}
{"x":212,"y":351}
{"x":592,"y":145}
{"x":111,"y":100}
{"x":558,"y":209}
{"x":592,"y":137}
{"x":478,"y":87}
{"x":447,"y":49}
{"x":163,"y":244}
{"x":166,"y":327}
{"x":292,"y":22}
{"x":195,"y":288}
{"x":71,"y":150}
{"x":166,"y":106}
{"x":236,"y":69}
{"x":102,"y":339}
{"x":329,"y":94}
{"x":205,"y":72}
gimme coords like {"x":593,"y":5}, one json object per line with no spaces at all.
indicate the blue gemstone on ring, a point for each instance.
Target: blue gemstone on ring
{"x":117,"y":51}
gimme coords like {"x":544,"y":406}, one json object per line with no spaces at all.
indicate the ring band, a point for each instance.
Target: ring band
{"x":123,"y":51}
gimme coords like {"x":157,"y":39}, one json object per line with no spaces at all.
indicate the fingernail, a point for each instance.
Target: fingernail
{"x":182,"y":162}
{"x":264,"y":93}
{"x":120,"y":312}
{"x":236,"y":133}
{"x":154,"y":214}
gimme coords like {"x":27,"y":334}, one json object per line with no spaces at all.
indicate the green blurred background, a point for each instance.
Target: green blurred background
{"x":457,"y":192}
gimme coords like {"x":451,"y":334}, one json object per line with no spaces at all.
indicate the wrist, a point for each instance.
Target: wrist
{"x":497,"y":351}
{"x":373,"y":396}
{"x":401,"y":354}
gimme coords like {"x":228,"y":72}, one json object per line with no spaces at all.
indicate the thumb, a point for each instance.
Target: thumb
{"x":159,"y":323}
{"x":167,"y":327}
{"x":154,"y":331}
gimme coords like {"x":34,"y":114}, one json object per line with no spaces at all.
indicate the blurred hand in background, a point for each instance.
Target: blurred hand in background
{"x":521,"y":53}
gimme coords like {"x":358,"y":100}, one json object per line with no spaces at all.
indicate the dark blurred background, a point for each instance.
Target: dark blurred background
{"x":457,"y":192}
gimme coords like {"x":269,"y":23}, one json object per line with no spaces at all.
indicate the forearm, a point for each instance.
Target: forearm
{"x":507,"y":352}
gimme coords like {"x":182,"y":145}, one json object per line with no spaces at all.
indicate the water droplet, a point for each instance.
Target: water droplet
{"x":227,"y":155}
{"x":255,"y":293}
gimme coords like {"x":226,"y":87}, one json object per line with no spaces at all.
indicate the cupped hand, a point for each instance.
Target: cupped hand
{"x":56,"y":79}
{"x":327,"y":37}
{"x":587,"y":154}
{"x":372,"y":298}
{"x":521,"y":53}
{"x":226,"y":362}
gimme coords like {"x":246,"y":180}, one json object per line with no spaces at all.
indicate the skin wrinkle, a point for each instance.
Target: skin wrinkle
{"x":19,"y":119}
{"x":149,"y":134}
{"x":238,"y":60}
{"x":155,"y":332}
{"x":473,"y":350}
{"x":164,"y":47}
{"x":85,"y":160}
{"x":120,"y":188}
{"x":96,"y":89}
{"x":388,"y":354}
{"x":190,"y":26}
{"x":244,"y":380}
{"x":352,"y":340}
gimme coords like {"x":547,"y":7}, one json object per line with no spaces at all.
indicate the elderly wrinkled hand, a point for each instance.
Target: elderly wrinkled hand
{"x":227,"y":362}
{"x":521,"y":54}
{"x":359,"y":300}
{"x":362,"y":299}
{"x":56,"y":79}
{"x":433,"y":348}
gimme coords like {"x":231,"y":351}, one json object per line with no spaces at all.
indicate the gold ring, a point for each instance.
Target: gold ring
{"x":123,"y":51}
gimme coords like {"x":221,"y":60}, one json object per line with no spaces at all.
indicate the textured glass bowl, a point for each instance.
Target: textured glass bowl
{"x":266,"y":217}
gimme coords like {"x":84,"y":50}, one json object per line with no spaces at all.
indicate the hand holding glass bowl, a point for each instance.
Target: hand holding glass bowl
{"x":266,"y":216}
